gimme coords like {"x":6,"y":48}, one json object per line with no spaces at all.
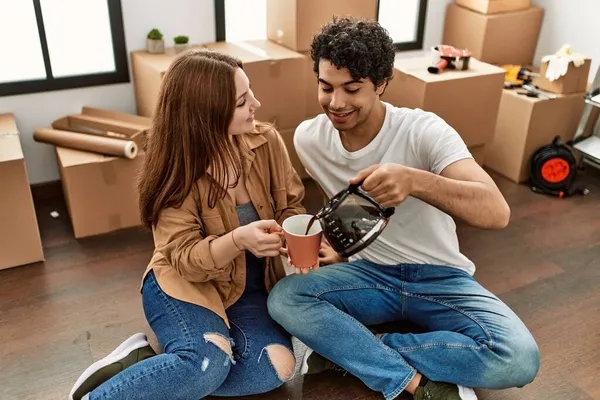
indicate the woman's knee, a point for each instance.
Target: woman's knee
{"x":282,"y":360}
{"x":205,"y":371}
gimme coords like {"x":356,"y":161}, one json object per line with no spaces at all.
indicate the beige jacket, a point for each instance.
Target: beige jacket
{"x":182,"y":262}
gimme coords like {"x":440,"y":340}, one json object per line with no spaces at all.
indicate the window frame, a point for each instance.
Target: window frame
{"x":50,"y":83}
{"x":416,"y":44}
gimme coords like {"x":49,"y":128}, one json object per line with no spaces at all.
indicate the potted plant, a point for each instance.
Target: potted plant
{"x":181,"y":43}
{"x":155,"y":42}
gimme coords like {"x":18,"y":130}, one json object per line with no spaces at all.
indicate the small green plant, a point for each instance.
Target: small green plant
{"x":181,"y":39}
{"x":155,"y":34}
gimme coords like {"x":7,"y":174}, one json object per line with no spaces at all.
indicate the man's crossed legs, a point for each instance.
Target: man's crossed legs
{"x":473,"y":339}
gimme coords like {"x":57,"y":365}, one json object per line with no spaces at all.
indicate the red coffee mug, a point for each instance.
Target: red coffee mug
{"x":303,"y":249}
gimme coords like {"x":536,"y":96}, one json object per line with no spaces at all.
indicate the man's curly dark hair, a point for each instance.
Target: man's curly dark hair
{"x":362,"y":46}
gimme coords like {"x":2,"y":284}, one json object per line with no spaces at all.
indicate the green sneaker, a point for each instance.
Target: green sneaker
{"x":314,"y":363}
{"x":443,"y":391}
{"x":131,"y":351}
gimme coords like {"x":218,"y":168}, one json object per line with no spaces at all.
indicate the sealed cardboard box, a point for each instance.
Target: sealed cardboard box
{"x":506,"y":38}
{"x":293,"y":23}
{"x":20,"y":241}
{"x":524,"y":125}
{"x":288,"y":139}
{"x":495,"y":6}
{"x":100,"y":191}
{"x":467,"y":100}
{"x":277,"y":76}
{"x":574,"y":81}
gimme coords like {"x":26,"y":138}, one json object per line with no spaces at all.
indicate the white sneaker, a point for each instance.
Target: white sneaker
{"x":131,"y":351}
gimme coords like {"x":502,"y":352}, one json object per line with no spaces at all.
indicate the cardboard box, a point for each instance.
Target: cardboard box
{"x":478,"y":153}
{"x":101,"y":191}
{"x":574,"y":81}
{"x":467,"y":100}
{"x":288,"y":139}
{"x":20,"y":241}
{"x":293,"y":23}
{"x":524,"y":125}
{"x":277,"y":76}
{"x":148,"y":70}
{"x":495,"y":6}
{"x":507,"y":38}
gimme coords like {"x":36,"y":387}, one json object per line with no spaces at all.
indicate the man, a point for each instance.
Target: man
{"x":414,"y":271}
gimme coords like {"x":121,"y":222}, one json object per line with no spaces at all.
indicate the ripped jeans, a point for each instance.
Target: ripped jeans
{"x":193,"y":367}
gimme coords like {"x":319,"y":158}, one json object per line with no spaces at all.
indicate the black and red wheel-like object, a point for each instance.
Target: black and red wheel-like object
{"x":553,"y":170}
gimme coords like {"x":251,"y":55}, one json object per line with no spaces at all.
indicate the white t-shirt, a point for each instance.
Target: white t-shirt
{"x":417,"y":232}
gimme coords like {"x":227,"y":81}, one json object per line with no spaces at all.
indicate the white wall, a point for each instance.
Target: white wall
{"x":194,"y":18}
{"x":572,"y":22}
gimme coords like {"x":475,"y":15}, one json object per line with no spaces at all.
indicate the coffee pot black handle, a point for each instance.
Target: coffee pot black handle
{"x":355,"y":188}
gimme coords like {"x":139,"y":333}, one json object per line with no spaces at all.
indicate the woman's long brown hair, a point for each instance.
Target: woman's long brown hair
{"x":189,"y":133}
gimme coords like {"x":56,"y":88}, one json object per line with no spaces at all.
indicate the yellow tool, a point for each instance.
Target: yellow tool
{"x":517,"y":75}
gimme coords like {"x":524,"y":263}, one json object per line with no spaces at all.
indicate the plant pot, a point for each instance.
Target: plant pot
{"x":181,"y":47}
{"x":155,"y":46}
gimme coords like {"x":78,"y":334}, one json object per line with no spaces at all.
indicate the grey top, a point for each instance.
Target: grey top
{"x":254,"y":266}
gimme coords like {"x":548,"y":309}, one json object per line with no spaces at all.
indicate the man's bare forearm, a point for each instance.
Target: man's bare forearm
{"x":477,"y":203}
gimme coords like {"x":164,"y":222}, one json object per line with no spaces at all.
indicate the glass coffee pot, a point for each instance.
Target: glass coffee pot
{"x":352,"y":219}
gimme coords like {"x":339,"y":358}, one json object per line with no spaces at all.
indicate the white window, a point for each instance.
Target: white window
{"x":245,"y":20}
{"x":52,"y":45}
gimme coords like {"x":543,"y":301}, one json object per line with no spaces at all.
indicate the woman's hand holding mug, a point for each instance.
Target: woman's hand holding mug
{"x":261,"y":238}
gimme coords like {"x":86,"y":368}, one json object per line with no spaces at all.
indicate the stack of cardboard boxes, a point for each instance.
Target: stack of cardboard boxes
{"x":504,"y":32}
{"x":467,"y":100}
{"x":496,"y":32}
{"x":279,"y":68}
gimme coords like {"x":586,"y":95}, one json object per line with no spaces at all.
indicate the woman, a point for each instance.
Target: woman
{"x":214,"y":189}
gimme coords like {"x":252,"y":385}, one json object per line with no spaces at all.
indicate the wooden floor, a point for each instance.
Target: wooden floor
{"x":59,"y":316}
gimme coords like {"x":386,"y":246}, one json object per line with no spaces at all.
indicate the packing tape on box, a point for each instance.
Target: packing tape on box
{"x":93,"y":143}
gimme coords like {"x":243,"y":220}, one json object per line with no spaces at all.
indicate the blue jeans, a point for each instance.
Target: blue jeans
{"x":472,"y":338}
{"x":192,"y":367}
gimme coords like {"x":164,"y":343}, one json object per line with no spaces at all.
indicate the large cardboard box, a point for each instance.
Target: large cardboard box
{"x":507,"y":38}
{"x":148,"y":70}
{"x":20,"y":241}
{"x":574,"y":81}
{"x":293,"y":23}
{"x":101,"y":191}
{"x":495,"y":6}
{"x":524,"y":125}
{"x":467,"y":100}
{"x":288,"y":139}
{"x":277,"y":76}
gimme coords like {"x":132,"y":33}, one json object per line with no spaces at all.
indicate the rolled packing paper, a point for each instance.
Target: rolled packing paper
{"x":81,"y":141}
